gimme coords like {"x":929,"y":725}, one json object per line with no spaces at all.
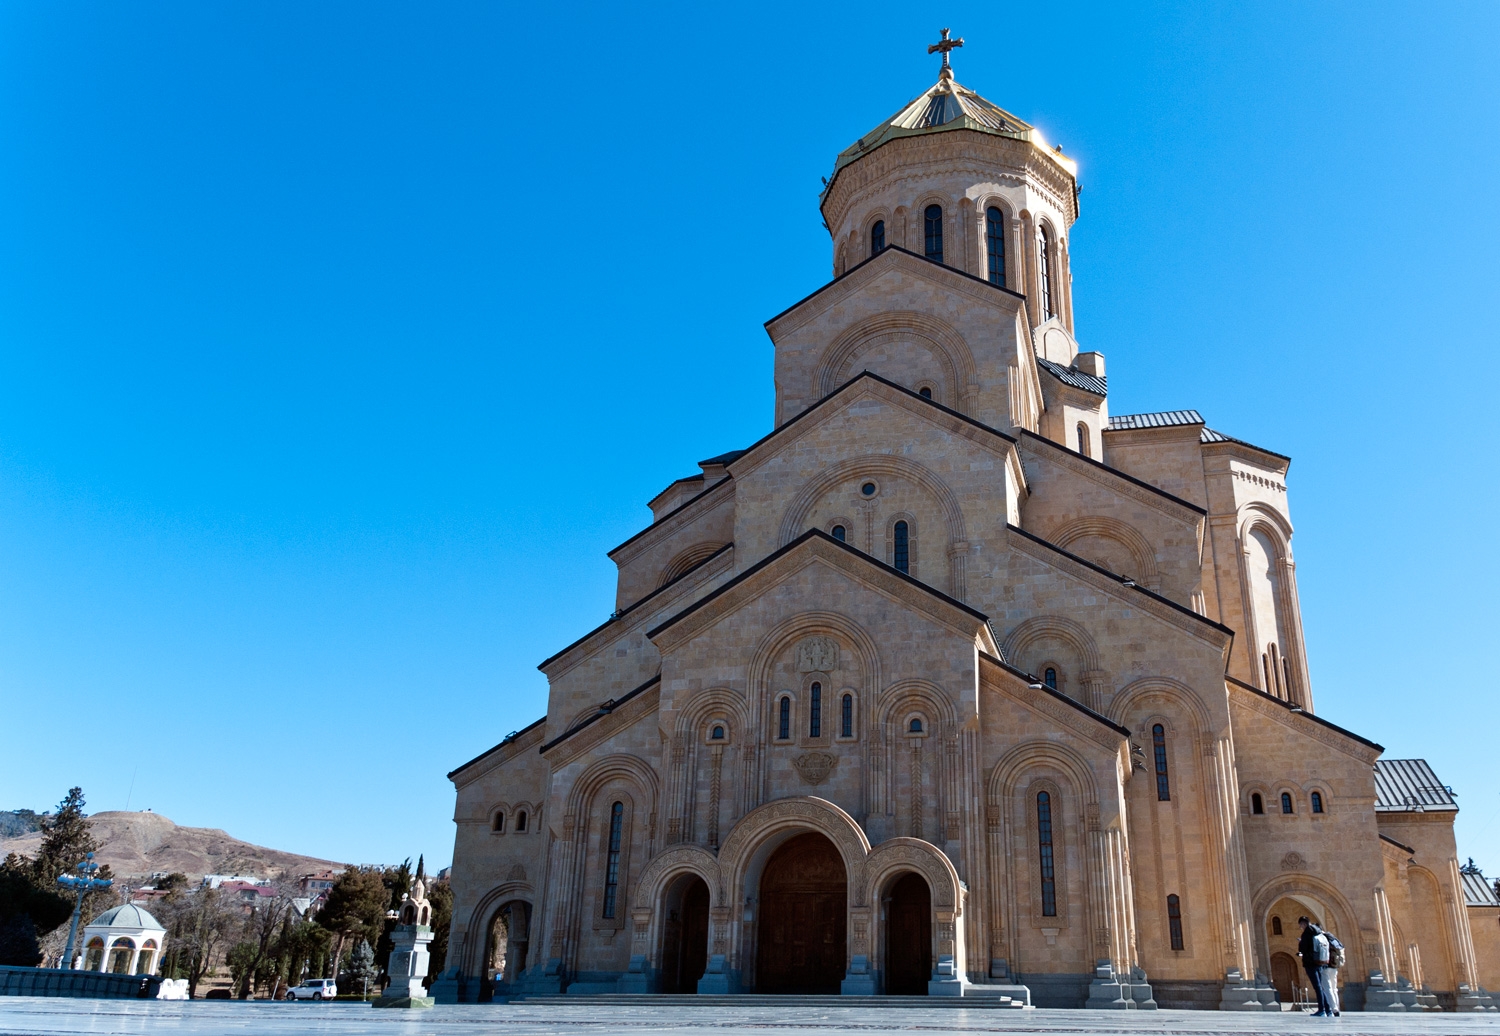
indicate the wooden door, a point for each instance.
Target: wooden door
{"x":1285,"y":973}
{"x":803,"y":896}
{"x":908,"y":937}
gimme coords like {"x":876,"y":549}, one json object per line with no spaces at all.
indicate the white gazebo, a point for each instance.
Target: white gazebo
{"x":124,"y":940}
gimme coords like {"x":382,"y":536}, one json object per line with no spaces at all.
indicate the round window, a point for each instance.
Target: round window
{"x":868,"y":489}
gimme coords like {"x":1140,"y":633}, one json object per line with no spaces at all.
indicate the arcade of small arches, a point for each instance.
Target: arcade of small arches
{"x":120,"y":955}
{"x":1261,"y":800}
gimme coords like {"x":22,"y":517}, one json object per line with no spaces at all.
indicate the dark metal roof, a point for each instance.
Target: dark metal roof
{"x":1075,"y":377}
{"x":505,"y":741}
{"x":1410,"y":786}
{"x":1208,"y":435}
{"x":724,"y":458}
{"x":1478,"y":891}
{"x":1160,"y":419}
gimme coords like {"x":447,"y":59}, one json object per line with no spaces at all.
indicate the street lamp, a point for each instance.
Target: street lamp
{"x":84,"y":882}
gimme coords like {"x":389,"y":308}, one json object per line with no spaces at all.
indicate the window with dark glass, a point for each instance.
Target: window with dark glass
{"x":499,"y":822}
{"x":1159,"y":743}
{"x":1257,"y":806}
{"x":815,"y":711}
{"x":1044,"y":263}
{"x":877,"y":237}
{"x":994,"y":234}
{"x":846,"y":716}
{"x":612,"y":862}
{"x":933,"y":219}
{"x":868,"y":489}
{"x":1050,"y":678}
{"x":784,"y":726}
{"x":521,"y":821}
{"x":1275,"y":926}
{"x":839,"y":533}
{"x":1044,"y":845}
{"x":915,"y":726}
{"x":717,"y":735}
{"x":1083,"y":438}
{"x":903,"y":547}
{"x":1317,"y":801}
{"x":1286,"y":802}
{"x":925,"y":392}
{"x":1174,"y":920}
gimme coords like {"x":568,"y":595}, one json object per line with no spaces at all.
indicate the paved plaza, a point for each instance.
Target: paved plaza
{"x":28,"y":1016}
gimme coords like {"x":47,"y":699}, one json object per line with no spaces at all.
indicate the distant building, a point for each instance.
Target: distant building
{"x":312,"y":884}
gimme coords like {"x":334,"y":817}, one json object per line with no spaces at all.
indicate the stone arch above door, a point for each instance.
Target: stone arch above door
{"x":762,"y":825}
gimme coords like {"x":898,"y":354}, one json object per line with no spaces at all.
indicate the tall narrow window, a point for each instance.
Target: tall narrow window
{"x":1159,"y":742}
{"x":1174,"y":920}
{"x":815,"y":711}
{"x":925,"y":392}
{"x":1044,"y":845}
{"x":784,"y":726}
{"x":1317,"y":801}
{"x":1286,"y":802}
{"x":1083,"y":439}
{"x":1275,"y":925}
{"x":933,"y":220}
{"x":846,"y":716}
{"x":903,"y":547}
{"x":521,"y":821}
{"x":839,"y":533}
{"x":994,"y":234}
{"x":499,"y":825}
{"x":1044,"y":264}
{"x":1050,"y":678}
{"x":1257,"y":805}
{"x":612,"y":866}
{"x":877,"y":237}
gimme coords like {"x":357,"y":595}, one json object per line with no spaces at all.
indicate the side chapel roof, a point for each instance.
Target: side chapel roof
{"x":1478,"y":891}
{"x":1078,"y":379}
{"x":1410,"y":785}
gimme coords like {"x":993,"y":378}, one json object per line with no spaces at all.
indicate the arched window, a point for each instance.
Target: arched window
{"x":903,"y":547}
{"x":1050,"y":678}
{"x":877,"y":237}
{"x":718,"y":733}
{"x":1044,"y":846}
{"x":1286,"y":802}
{"x":1257,"y":806}
{"x":815,"y":711}
{"x":1159,"y":743}
{"x":915,"y":726}
{"x":925,"y":392}
{"x":1174,"y":920}
{"x":1044,"y":265}
{"x":994,"y":234}
{"x":1275,"y":925}
{"x":933,"y":220}
{"x":846,"y":716}
{"x":1317,"y":801}
{"x":499,"y":825}
{"x":839,"y":533}
{"x":612,"y":863}
{"x":520,"y":821}
{"x":1083,"y":439}
{"x":784,"y":723}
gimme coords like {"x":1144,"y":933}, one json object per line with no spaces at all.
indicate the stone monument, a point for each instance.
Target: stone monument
{"x":409,"y":941}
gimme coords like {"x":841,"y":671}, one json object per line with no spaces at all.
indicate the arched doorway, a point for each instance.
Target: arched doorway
{"x":1286,"y":976}
{"x":1282,"y":936}
{"x":908,"y":937}
{"x":684,"y":954}
{"x":803,"y":903}
{"x":505,"y":949}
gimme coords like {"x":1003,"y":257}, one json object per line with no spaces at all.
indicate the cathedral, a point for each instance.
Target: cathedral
{"x":955,"y":683}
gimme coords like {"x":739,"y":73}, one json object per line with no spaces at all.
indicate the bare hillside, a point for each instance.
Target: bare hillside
{"x":138,"y":844}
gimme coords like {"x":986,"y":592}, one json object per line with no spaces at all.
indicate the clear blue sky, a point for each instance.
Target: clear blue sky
{"x":338,"y":342}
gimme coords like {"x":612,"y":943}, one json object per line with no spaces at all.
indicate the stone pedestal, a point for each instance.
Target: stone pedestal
{"x":1382,"y":997}
{"x":719,"y":977}
{"x":945,"y":980}
{"x":637,"y":977}
{"x":1240,"y":995}
{"x":1126,"y":993}
{"x":448,"y":987}
{"x":408,"y":968}
{"x":1470,"y":999}
{"x":860,"y":979}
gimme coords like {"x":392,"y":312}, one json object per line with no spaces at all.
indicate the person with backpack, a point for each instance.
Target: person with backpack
{"x":1329,"y":975}
{"x":1312,"y":947}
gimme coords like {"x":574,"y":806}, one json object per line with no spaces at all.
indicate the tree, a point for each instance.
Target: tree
{"x":65,"y":840}
{"x":261,"y":930}
{"x":440,"y":895}
{"x":18,"y":944}
{"x":241,"y":962}
{"x":199,"y":925}
{"x":362,"y":966}
{"x":174,"y":882}
{"x":355,"y":908}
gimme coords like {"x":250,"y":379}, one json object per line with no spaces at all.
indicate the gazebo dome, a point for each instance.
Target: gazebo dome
{"x":127,"y":916}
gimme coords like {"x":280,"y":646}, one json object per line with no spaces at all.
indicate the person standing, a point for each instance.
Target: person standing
{"x":1314,"y":959}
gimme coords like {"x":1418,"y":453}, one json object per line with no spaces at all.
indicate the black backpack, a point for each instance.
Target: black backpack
{"x":1335,"y":950}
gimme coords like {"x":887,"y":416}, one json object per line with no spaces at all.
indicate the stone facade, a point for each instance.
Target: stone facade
{"x":957,"y":621}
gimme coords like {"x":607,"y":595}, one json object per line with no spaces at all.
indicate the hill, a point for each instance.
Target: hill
{"x":139,"y":844}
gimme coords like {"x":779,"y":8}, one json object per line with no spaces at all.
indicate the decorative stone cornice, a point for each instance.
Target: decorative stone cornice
{"x":1265,"y":706}
{"x":499,"y":756}
{"x":716,"y":494}
{"x":633,"y":711}
{"x":1086,"y":724}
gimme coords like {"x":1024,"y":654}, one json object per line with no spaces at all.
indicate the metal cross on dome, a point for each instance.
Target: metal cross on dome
{"x":945,"y":45}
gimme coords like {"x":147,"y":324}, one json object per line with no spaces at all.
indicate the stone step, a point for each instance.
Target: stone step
{"x":973,"y":999}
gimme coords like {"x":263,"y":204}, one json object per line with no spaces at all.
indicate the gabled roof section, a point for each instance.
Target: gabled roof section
{"x":1208,"y":437}
{"x":1478,"y":892}
{"x":1410,"y":786}
{"x":669,"y":515}
{"x":1297,"y":710}
{"x":1160,"y":419}
{"x":1037,"y":685}
{"x":889,"y":253}
{"x":1076,"y":378}
{"x":823,"y":540}
{"x":948,"y":106}
{"x":1073,"y":455}
{"x":724,"y":458}
{"x":604,"y":709}
{"x":513,"y":736}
